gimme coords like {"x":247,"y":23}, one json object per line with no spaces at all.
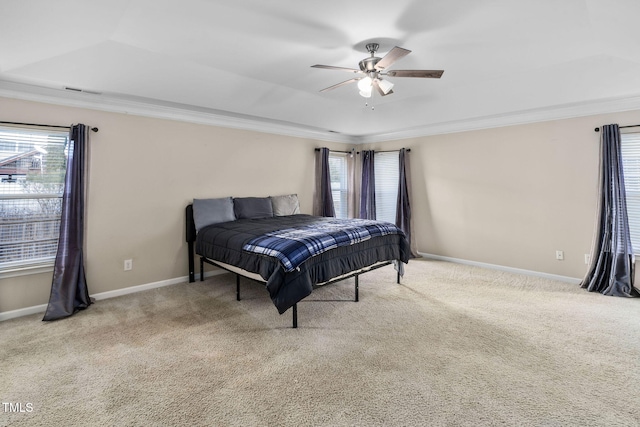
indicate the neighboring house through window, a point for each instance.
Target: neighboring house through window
{"x":32,"y":172}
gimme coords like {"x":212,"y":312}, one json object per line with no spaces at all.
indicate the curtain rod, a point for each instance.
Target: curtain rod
{"x":620,"y":127}
{"x":336,"y":151}
{"x":389,"y":151}
{"x":349,"y":152}
{"x":95,"y":129}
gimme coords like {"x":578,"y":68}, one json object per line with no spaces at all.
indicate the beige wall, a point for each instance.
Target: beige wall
{"x":507,"y":196}
{"x":510,"y":196}
{"x":143,"y":173}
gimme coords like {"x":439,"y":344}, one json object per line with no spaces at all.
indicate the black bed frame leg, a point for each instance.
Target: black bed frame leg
{"x":357,"y":289}
{"x":295,"y":315}
{"x":201,"y":269}
{"x":237,"y":287}
{"x":398,"y":279}
{"x":192,"y":275}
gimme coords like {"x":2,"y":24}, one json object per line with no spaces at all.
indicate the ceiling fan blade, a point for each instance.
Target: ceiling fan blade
{"x":331,"y":67}
{"x":339,"y":84}
{"x":392,"y":56}
{"x":430,"y":74}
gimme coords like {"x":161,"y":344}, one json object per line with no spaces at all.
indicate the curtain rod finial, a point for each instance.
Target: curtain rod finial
{"x":94,"y":129}
{"x":597,"y":129}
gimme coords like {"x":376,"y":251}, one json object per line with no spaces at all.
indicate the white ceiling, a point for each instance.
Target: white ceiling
{"x":249,"y":60}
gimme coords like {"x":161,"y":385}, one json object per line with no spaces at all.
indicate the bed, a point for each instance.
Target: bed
{"x":268,"y":240}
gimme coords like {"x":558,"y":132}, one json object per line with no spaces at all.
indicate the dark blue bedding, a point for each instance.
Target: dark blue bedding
{"x":293,"y":246}
{"x":225,"y":242}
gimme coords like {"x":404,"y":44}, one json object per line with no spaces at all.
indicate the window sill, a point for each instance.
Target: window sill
{"x":25,"y":271}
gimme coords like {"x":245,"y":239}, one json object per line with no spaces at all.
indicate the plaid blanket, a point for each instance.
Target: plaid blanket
{"x":293,"y":246}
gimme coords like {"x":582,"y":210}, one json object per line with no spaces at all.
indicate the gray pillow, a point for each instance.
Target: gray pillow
{"x":285,"y":205}
{"x":212,"y":211}
{"x":252,"y":207}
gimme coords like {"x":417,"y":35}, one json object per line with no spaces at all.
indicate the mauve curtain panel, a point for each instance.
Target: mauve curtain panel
{"x":368,"y":187}
{"x":69,"y":292}
{"x":403,"y":206}
{"x":612,"y":262}
{"x":323,"y":200}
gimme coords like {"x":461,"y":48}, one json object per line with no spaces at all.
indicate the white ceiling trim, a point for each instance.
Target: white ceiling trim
{"x":178,"y":112}
{"x":158,"y":109}
{"x":558,"y":112}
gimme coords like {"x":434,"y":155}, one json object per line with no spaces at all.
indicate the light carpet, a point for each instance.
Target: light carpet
{"x":453,"y":345}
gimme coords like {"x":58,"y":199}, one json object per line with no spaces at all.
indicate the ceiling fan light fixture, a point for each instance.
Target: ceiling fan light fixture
{"x":385,"y":86}
{"x":366,"y":93}
{"x":364,"y":84}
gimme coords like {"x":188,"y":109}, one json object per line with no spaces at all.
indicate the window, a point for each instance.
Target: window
{"x":339,"y":183}
{"x":387,"y":176}
{"x":630,"y":147}
{"x":32,"y":171}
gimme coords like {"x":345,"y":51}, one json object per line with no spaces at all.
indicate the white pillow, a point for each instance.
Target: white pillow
{"x":285,"y":205}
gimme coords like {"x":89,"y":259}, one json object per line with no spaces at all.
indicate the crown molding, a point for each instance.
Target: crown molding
{"x":557,"y":112}
{"x":164,"y":110}
{"x":200,"y":115}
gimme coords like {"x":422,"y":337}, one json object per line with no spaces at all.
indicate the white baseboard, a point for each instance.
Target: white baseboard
{"x":567,"y":279}
{"x":6,"y":315}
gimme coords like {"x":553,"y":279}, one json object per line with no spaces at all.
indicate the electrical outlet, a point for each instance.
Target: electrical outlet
{"x":128,"y":264}
{"x":587,"y":259}
{"x":559,"y":255}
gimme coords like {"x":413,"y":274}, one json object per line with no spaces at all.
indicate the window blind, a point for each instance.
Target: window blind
{"x":387,"y":176}
{"x":339,"y":183}
{"x":630,"y":147}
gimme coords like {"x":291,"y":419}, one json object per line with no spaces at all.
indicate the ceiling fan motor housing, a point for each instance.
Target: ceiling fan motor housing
{"x":369,"y":64}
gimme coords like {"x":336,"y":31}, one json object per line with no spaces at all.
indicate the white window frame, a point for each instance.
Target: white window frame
{"x":36,"y":235}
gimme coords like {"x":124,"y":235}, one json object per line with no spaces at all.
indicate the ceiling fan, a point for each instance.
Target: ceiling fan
{"x":373,"y":68}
